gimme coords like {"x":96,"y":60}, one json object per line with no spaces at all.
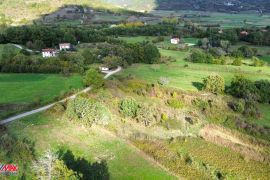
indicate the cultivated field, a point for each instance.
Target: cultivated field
{"x":226,"y":20}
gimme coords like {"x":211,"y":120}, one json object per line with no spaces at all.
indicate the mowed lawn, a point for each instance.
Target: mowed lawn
{"x":185,"y":75}
{"x":27,"y":88}
{"x":93,"y":144}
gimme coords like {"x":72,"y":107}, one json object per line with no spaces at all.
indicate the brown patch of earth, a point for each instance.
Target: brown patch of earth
{"x":225,"y":137}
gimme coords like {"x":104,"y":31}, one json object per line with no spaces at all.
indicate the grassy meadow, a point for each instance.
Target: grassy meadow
{"x":49,"y":132}
{"x":18,"y":91}
{"x":186,"y":75}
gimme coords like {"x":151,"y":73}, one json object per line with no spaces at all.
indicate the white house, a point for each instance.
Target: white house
{"x":175,"y":40}
{"x":64,"y":46}
{"x":103,"y":68}
{"x":49,"y":52}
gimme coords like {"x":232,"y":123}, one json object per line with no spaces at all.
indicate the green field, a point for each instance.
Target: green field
{"x":226,"y":20}
{"x":18,"y":91}
{"x":185,"y":77}
{"x":123,"y":161}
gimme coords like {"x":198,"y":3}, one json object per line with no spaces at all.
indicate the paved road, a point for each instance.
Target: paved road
{"x":20,"y":47}
{"x":14,"y":118}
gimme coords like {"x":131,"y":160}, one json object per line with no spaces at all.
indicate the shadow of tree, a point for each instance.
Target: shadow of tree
{"x":89,"y":171}
{"x":198,"y":85}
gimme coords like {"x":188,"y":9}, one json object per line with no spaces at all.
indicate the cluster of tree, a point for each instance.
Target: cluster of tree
{"x":123,"y":53}
{"x":243,"y":88}
{"x":38,"y":37}
{"x":20,"y":63}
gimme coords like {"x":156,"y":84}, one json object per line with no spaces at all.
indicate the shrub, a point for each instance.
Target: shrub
{"x":214,"y":84}
{"x":175,"y":103}
{"x":93,"y":79}
{"x":163,"y":81}
{"x":201,"y":104}
{"x":263,"y":88}
{"x":146,"y":115}
{"x":164,"y":117}
{"x":129,"y":107}
{"x":237,"y":106}
{"x":251,"y":109}
{"x":237,"y":62}
{"x":87,"y":112}
{"x":243,"y":88}
{"x":257,"y":62}
{"x":199,"y":56}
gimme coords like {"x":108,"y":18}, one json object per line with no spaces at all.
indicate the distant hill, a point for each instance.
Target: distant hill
{"x":215,"y":5}
{"x":23,"y":11}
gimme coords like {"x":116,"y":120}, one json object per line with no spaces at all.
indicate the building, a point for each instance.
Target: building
{"x":175,"y":40}
{"x":49,"y":52}
{"x":244,"y":33}
{"x":103,"y":68}
{"x":64,"y":46}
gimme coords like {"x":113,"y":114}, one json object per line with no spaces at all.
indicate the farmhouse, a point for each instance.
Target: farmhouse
{"x":175,"y":40}
{"x":49,"y":52}
{"x":64,"y":46}
{"x":244,"y":33}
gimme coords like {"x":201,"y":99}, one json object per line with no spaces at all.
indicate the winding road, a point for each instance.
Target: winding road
{"x":44,"y":108}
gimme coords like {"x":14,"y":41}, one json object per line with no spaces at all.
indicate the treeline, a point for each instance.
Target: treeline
{"x":116,"y":54}
{"x":38,"y":37}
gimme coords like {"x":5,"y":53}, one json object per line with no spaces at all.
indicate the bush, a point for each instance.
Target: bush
{"x":87,"y":112}
{"x":214,"y":84}
{"x":251,"y":109}
{"x":94,"y":79}
{"x":263,"y":87}
{"x":243,"y":88}
{"x":199,"y":56}
{"x":146,"y":115}
{"x":175,"y":103}
{"x":164,"y":117}
{"x":201,"y":104}
{"x":237,"y":106}
{"x":129,"y":107}
{"x":237,"y":62}
{"x":163,"y":81}
{"x":257,"y":62}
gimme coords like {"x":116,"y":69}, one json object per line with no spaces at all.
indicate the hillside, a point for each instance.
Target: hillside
{"x":21,"y":12}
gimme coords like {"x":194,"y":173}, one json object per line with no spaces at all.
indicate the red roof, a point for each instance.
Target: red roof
{"x":48,"y":50}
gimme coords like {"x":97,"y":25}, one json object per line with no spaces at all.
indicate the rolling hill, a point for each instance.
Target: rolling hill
{"x":23,"y":11}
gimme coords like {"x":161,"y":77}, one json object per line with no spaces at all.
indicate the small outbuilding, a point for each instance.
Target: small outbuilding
{"x":49,"y":52}
{"x":175,"y":40}
{"x":64,"y":46}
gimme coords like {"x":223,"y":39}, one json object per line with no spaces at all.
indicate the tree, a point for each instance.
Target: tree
{"x":89,"y":57}
{"x":243,"y":88}
{"x":113,"y":62}
{"x":50,"y":167}
{"x":151,"y":53}
{"x":214,"y":84}
{"x":94,"y":79}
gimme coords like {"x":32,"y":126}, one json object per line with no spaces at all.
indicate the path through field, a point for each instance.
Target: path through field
{"x":14,"y":118}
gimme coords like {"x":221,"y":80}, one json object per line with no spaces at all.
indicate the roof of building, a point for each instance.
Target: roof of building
{"x":48,"y":50}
